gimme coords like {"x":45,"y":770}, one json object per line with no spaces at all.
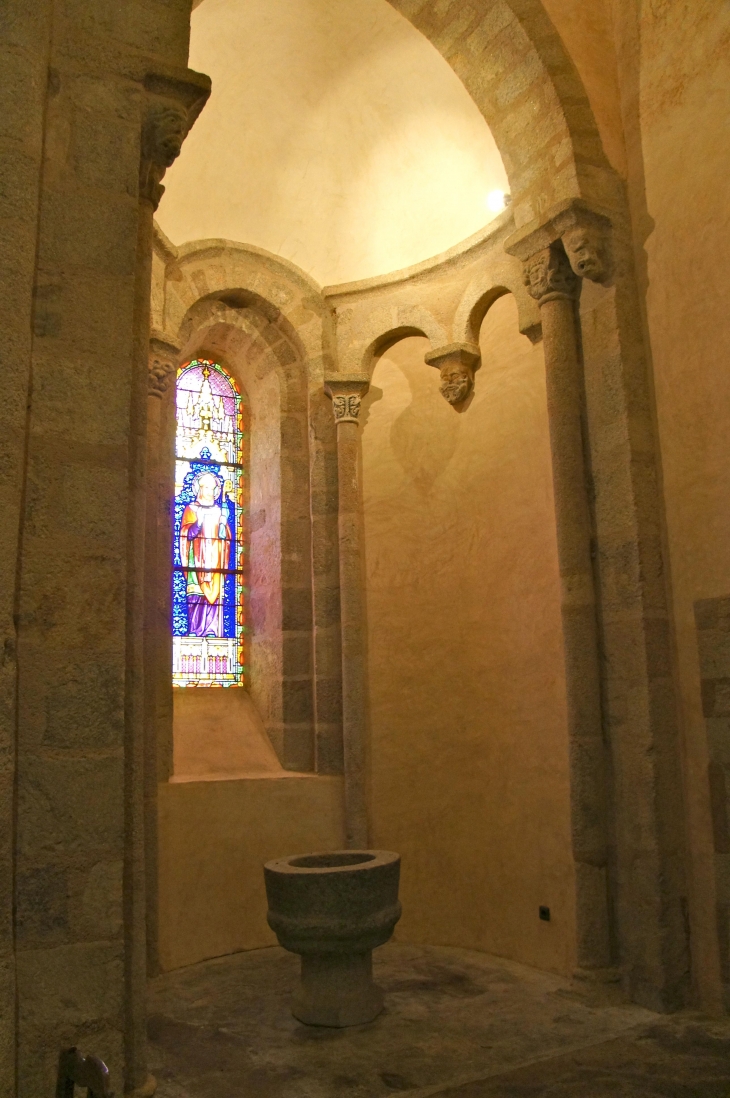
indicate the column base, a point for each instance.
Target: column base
{"x":337,"y":990}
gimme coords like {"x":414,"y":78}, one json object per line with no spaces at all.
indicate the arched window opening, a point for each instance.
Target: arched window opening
{"x":208,"y":551}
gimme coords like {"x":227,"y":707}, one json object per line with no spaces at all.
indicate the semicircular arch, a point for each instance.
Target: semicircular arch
{"x":217,"y":280}
{"x":513,"y":63}
{"x":363,"y":336}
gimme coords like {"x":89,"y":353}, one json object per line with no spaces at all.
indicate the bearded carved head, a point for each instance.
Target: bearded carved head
{"x":456,"y":364}
{"x":457,"y":382}
{"x":161,"y":366}
{"x":587,"y":249}
{"x":164,"y":134}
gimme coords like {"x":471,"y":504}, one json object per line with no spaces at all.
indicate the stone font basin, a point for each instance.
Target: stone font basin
{"x":333,"y":909}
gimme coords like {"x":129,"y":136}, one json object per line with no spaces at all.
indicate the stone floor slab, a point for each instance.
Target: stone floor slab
{"x":456,"y":1023}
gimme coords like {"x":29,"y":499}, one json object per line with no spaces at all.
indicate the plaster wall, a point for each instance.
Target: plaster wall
{"x":587,"y":34}
{"x":675,"y":83}
{"x":219,"y":733}
{"x":336,"y":136}
{"x":468,"y":739}
{"x":214,"y":838}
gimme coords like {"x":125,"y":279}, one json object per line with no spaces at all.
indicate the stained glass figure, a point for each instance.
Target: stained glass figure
{"x":208,"y":551}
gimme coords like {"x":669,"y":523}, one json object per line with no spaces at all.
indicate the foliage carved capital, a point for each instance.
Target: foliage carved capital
{"x":346,"y":394}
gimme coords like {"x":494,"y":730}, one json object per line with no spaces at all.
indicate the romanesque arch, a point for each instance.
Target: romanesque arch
{"x":569,"y":230}
{"x":514,"y":65}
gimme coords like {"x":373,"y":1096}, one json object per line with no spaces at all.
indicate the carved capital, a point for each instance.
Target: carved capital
{"x":548,"y":275}
{"x":456,"y":363}
{"x":346,"y":394}
{"x":585,"y":234}
{"x":162,"y":363}
{"x":174,"y":102}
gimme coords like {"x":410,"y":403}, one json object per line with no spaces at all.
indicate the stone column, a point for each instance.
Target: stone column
{"x":554,"y":285}
{"x":346,"y":395}
{"x":640,"y":708}
{"x":171,"y":106}
{"x":157,"y":610}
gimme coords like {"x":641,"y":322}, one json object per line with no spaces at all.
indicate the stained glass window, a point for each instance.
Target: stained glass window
{"x":208,"y":551}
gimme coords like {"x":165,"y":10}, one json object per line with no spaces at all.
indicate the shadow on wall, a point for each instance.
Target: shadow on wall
{"x":469,"y":743}
{"x":422,"y":437}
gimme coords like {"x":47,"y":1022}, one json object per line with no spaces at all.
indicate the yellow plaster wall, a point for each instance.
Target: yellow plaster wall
{"x":214,"y":838}
{"x":586,"y":29}
{"x":676,"y":86}
{"x":335,"y":136}
{"x":468,"y":741}
{"x":219,"y":733}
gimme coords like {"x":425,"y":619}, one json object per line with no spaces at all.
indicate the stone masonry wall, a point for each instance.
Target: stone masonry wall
{"x":713,"y":638}
{"x":24,"y":55}
{"x":73,"y":73}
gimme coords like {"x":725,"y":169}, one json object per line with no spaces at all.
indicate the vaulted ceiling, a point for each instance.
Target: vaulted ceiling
{"x":336,"y":136}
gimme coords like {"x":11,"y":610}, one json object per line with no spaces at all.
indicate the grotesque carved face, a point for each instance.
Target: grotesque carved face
{"x":159,"y":371}
{"x":586,"y":250}
{"x":456,"y":382}
{"x":549,"y":272}
{"x":168,"y":125}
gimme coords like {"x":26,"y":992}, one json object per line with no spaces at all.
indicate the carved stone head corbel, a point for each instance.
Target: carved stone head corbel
{"x":456,"y":363}
{"x":162,"y":362}
{"x":587,"y":248}
{"x":163,"y":133}
{"x":571,"y":242}
{"x":174,"y":101}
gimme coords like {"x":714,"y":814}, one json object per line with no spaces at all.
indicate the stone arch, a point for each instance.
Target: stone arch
{"x":273,"y":373}
{"x":480,"y":295}
{"x":513,"y":63}
{"x":248,"y":326}
{"x":382,"y":344}
{"x":241,"y":276}
{"x":266,"y":322}
{"x":362,"y":336}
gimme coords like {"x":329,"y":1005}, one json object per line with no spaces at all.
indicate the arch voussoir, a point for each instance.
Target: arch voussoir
{"x":514,"y":65}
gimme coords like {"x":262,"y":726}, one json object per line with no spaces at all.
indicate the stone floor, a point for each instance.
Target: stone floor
{"x":456,"y":1023}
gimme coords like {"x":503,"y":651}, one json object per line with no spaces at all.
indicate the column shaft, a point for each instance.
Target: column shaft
{"x":157,"y":614}
{"x":352,"y":611}
{"x":346,"y":394}
{"x":135,"y":974}
{"x":151,"y":582}
{"x":565,"y":400}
